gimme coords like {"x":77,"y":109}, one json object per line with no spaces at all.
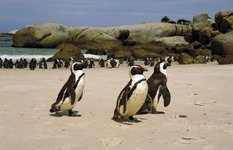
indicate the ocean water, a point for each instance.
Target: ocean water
{"x":9,"y":52}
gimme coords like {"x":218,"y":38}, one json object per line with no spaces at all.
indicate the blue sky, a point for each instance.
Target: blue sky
{"x":16,"y":14}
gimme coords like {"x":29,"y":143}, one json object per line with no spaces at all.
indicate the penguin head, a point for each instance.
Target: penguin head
{"x":137,"y":69}
{"x":161,"y":67}
{"x":169,"y":60}
{"x":76,"y":66}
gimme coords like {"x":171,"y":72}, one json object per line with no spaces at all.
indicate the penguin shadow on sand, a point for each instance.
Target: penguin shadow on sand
{"x":63,"y":113}
{"x":150,"y":112}
{"x":126,"y":121}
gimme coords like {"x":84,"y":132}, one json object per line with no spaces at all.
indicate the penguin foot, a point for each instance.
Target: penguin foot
{"x":51,"y":110}
{"x":54,"y":109}
{"x":115,"y":118}
{"x":58,"y":115}
{"x":153,"y":111}
{"x":131,"y":118}
{"x":116,"y":115}
{"x":71,"y":113}
{"x":143,"y":111}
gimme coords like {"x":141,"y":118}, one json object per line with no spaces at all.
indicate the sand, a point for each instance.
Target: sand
{"x":199,"y":116}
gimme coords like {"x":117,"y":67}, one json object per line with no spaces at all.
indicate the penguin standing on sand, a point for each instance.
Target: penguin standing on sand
{"x":71,"y":92}
{"x":32,"y":64}
{"x":132,"y":97}
{"x":157,"y":86}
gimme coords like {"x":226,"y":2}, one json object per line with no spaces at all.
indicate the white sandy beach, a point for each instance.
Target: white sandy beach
{"x":200,"y":115}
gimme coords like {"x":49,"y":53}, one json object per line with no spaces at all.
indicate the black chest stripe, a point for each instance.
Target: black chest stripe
{"x":76,"y":83}
{"x":134,"y":87}
{"x":69,"y":92}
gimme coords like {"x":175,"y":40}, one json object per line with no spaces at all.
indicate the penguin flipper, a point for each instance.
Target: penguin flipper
{"x":64,"y":91}
{"x":166,"y":95}
{"x":72,"y":94}
{"x":123,"y":96}
{"x":60,"y":96}
{"x":80,"y":97}
{"x":122,"y":100}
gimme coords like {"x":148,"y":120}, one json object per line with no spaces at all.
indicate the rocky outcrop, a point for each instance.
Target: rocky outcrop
{"x":147,"y":33}
{"x":223,"y":44}
{"x":67,"y":51}
{"x":224,"y":20}
{"x":201,"y":38}
{"x":46,"y":35}
{"x":199,"y":60}
{"x":185,"y":58}
{"x":202,"y":28}
{"x":143,"y":36}
{"x":51,"y":35}
{"x":225,"y":60}
{"x":173,"y":41}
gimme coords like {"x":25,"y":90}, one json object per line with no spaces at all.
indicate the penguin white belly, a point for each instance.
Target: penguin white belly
{"x":136,"y":100}
{"x":66,"y":105}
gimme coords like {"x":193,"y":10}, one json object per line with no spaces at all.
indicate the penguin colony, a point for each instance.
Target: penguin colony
{"x":138,"y":96}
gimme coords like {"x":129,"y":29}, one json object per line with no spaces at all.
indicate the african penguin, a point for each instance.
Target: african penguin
{"x":133,"y":95}
{"x":157,"y":86}
{"x":71,"y":92}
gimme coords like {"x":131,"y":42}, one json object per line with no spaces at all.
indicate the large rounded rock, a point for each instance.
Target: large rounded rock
{"x":225,"y":60}
{"x":199,"y":60}
{"x":67,"y":51}
{"x":97,"y":38}
{"x":141,"y":53}
{"x":174,"y":41}
{"x":122,"y":54}
{"x":202,"y":28}
{"x":103,"y":39}
{"x":46,"y":35}
{"x":51,"y":35}
{"x":185,"y":58}
{"x":223,"y":44}
{"x":224,"y":20}
{"x":147,"y":33}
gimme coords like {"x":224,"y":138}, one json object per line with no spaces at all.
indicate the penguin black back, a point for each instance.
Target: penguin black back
{"x":156,"y":79}
{"x":157,"y":87}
